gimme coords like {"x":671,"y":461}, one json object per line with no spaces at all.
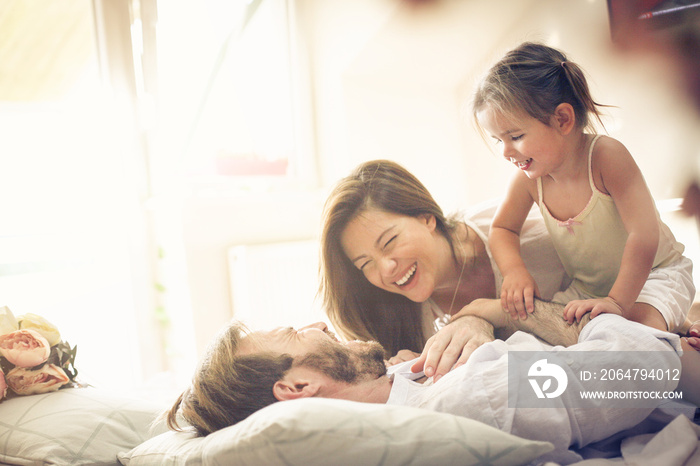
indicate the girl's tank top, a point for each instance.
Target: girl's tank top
{"x":590,"y":245}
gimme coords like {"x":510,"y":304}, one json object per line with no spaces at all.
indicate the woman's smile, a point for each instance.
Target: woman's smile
{"x":408,"y":276}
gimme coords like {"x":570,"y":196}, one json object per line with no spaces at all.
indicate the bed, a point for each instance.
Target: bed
{"x":83,"y":426}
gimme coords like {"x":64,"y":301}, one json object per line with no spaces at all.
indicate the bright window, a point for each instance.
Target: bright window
{"x":230,"y":91}
{"x":65,"y":233}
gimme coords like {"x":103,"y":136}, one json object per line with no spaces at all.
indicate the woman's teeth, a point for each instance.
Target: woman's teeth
{"x":408,"y":275}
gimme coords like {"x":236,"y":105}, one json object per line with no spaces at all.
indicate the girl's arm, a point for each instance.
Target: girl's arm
{"x":623,"y":179}
{"x":519,"y":288}
{"x":614,"y":167}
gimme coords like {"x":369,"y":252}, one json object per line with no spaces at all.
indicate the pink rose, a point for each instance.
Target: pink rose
{"x":48,"y":378}
{"x":3,"y":385}
{"x":24,"y":348}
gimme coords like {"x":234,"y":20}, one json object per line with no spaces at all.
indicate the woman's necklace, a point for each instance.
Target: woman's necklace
{"x":459,"y":280}
{"x":444,"y":319}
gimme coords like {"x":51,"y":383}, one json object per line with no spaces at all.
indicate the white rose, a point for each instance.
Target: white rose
{"x":8,"y":323}
{"x":44,"y":327}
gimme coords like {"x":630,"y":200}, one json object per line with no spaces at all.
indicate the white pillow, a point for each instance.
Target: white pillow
{"x":73,"y":426}
{"x":317,"y":431}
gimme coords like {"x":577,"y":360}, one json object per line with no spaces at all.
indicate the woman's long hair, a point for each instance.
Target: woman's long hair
{"x":356,"y":308}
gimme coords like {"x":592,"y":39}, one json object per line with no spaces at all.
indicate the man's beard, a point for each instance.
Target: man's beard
{"x":363,"y":360}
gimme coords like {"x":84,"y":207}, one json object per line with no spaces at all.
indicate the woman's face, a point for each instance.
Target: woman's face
{"x":395,"y":252}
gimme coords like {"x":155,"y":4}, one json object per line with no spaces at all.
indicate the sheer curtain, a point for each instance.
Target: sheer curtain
{"x":116,"y":113}
{"x":74,"y":237}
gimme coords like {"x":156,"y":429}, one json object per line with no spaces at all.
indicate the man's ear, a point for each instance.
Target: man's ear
{"x":292,"y":388}
{"x":565,"y":118}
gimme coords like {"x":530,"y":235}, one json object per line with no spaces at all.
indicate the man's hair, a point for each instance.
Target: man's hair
{"x":228,"y":387}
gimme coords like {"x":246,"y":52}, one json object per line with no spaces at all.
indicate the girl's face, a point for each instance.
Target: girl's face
{"x":396,"y":253}
{"x":532,"y":146}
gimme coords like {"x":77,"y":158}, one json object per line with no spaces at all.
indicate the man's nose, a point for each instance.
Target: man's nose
{"x":317,"y":325}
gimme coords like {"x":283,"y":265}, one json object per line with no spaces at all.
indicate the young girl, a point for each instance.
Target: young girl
{"x":536,"y":104}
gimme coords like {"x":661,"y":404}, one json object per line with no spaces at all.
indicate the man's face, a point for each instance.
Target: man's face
{"x":314,"y":346}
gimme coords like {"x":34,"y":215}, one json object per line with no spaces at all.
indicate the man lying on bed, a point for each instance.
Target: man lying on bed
{"x":244,"y":373}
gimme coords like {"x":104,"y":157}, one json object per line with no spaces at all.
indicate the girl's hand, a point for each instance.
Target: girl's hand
{"x":518,"y":293}
{"x":575,"y":310}
{"x":452,"y":346}
{"x":402,"y":356}
{"x":694,"y":335}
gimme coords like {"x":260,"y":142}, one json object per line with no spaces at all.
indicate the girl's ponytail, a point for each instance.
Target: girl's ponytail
{"x":579,"y":88}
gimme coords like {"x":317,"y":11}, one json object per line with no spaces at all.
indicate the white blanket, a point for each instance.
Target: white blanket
{"x":677,"y":444}
{"x":479,"y":389}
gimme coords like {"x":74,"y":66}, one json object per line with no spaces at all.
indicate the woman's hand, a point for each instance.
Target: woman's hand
{"x":402,"y":356}
{"x":452,"y":345}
